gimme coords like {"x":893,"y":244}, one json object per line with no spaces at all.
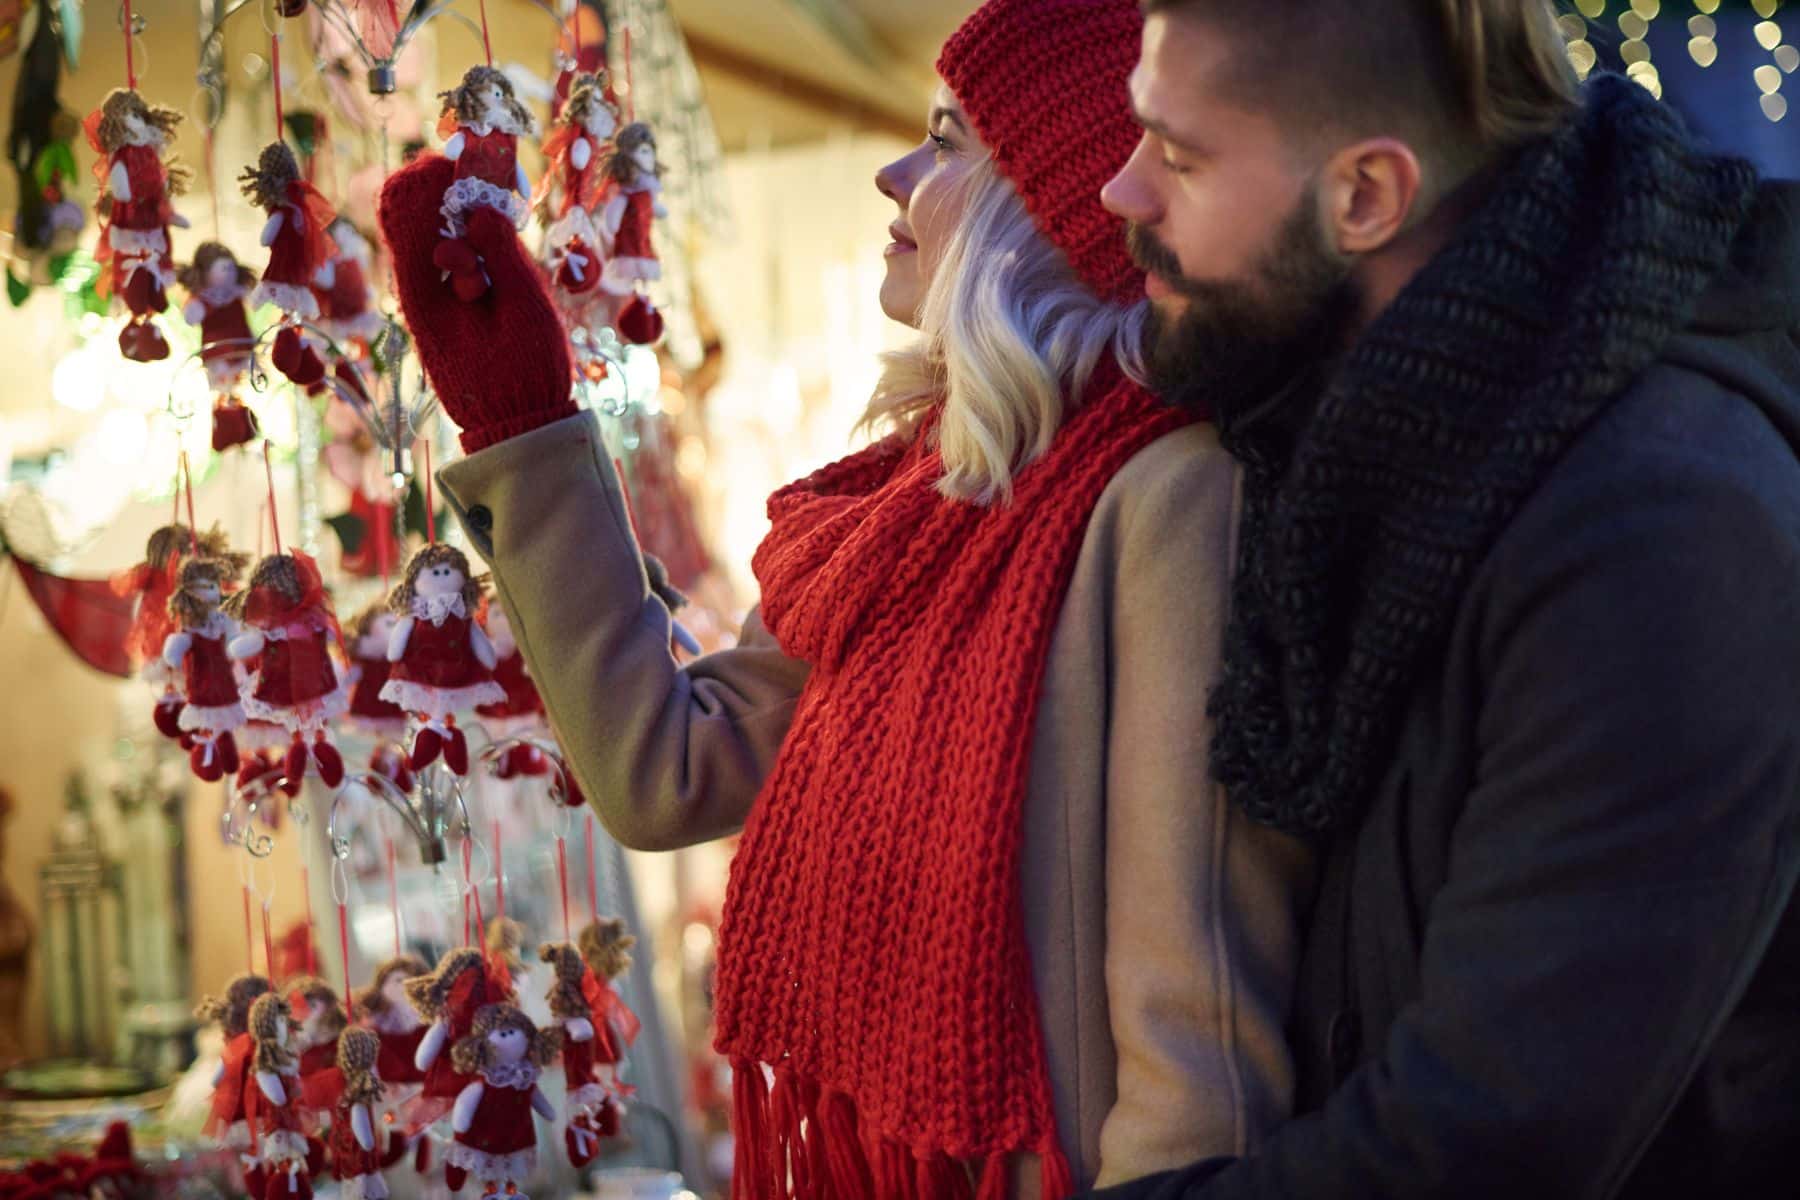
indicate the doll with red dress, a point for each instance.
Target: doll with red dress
{"x":496,"y":1141}
{"x":521,"y":714}
{"x":484,"y":121}
{"x":386,"y":1009}
{"x":442,"y":661}
{"x":586,"y":1095}
{"x":129,"y":136}
{"x":382,"y":720}
{"x":151,"y":583}
{"x":226,"y":1121}
{"x":341,"y":286}
{"x":218,"y":286}
{"x":273,"y":1104}
{"x":626,"y":220}
{"x":299,"y":242}
{"x":357,"y":1153}
{"x":606,"y":949}
{"x":289,"y":623}
{"x":211,"y":708}
{"x":576,"y":183}
{"x":448,"y":999}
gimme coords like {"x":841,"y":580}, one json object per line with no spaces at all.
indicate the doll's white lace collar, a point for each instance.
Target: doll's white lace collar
{"x":437,"y":609}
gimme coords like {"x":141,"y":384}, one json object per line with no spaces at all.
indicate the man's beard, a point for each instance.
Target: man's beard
{"x":1239,"y":343}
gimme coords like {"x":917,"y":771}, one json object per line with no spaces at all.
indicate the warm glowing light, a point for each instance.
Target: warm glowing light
{"x":79,"y":379}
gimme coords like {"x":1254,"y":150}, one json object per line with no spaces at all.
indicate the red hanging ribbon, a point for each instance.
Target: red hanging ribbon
{"x":312,"y":960}
{"x":630,"y":91}
{"x":274,"y":514}
{"x":468,"y":891}
{"x":275,"y":75}
{"x":268,"y":942}
{"x":562,"y":881}
{"x":430,"y":504}
{"x":187,"y":482}
{"x":499,"y":874}
{"x":130,"y":62}
{"x":393,"y":895}
{"x":344,"y":947}
{"x":486,"y":46}
{"x":249,"y":935}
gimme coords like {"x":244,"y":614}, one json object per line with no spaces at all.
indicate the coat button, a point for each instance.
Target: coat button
{"x":1343,"y":1041}
{"x":481,"y":518}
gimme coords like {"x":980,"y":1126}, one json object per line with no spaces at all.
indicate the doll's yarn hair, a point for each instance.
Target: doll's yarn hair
{"x":357,"y":1052}
{"x":401,"y":599}
{"x":371,"y":1000}
{"x":266,"y":184}
{"x":175,"y":540}
{"x":280,"y":572}
{"x":110,"y":129}
{"x":464,"y":100}
{"x":270,"y":1054}
{"x":364,"y":625}
{"x":232,"y":1010}
{"x":588,"y":95}
{"x":619,"y":165}
{"x":504,"y":938}
{"x":318,"y":993}
{"x":473,"y":1053}
{"x":606,"y":947}
{"x":430,"y":994}
{"x":565,"y":997}
{"x":193,"y":276}
{"x":188,"y":609}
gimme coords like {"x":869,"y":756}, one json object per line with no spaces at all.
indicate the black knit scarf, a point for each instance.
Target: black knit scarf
{"x":1363,"y":521}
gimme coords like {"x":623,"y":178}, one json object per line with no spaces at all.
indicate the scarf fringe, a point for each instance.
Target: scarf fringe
{"x":797,"y":1142}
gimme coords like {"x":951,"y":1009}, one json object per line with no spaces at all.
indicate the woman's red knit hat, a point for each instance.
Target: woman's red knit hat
{"x":1045,"y":84}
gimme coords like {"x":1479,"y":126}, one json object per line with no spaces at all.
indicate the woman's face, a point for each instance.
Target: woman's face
{"x":927,"y":184}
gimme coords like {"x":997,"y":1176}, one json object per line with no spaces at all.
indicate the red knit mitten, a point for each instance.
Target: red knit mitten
{"x":500,"y":361}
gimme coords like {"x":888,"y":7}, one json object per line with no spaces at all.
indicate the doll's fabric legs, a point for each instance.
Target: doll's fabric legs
{"x":330,"y":762}
{"x":425,"y":748}
{"x":455,"y":1177}
{"x":168,"y":714}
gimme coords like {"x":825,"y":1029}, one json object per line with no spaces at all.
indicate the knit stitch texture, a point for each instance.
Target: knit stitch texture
{"x":1359,"y":536}
{"x":1044,"y":82}
{"x":872,"y":948}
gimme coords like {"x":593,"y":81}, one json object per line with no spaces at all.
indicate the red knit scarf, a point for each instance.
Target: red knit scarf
{"x":872,"y":950}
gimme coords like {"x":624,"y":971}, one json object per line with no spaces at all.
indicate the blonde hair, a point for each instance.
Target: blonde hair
{"x":606,"y":947}
{"x":1009,"y":339}
{"x":358,"y":1050}
{"x":271,"y":1054}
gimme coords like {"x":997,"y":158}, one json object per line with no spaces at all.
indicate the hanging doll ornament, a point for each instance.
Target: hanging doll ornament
{"x":217,"y":286}
{"x":315,"y":1005}
{"x":226,"y":1120}
{"x":496,"y":1142}
{"x":483,"y":121}
{"x":576,"y":183}
{"x":211,"y":707}
{"x":625,"y":225}
{"x":389,"y":1012}
{"x":442,"y":662}
{"x":152,"y":582}
{"x":299,"y":244}
{"x":341,"y":286}
{"x":448,"y":999}
{"x":585,"y":1047}
{"x":521,"y":714}
{"x":277,"y":1123}
{"x":357,"y":1155}
{"x":289,"y":622}
{"x":129,"y":137}
{"x":382,"y":720}
{"x":606,"y":949}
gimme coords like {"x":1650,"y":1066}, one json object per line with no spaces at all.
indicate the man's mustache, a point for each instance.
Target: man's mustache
{"x":1155,"y":258}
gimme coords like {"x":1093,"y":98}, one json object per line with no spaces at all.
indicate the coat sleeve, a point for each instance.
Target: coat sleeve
{"x":1625,"y":853}
{"x":1203,"y":908}
{"x":668,"y":754}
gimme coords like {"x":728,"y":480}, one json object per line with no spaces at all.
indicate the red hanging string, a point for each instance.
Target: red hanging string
{"x":344,"y":947}
{"x":175,"y":492}
{"x":625,"y":491}
{"x":393,"y":895}
{"x":486,"y":47}
{"x":274,"y":514}
{"x":468,"y":890}
{"x":275,"y":75}
{"x":630,"y":92}
{"x":562,"y":881}
{"x":130,"y":62}
{"x":187,"y":477}
{"x":312,"y":959}
{"x":499,"y":874}
{"x":268,"y":942}
{"x":430,"y":504}
{"x":249,"y":935}
{"x":587,"y":837}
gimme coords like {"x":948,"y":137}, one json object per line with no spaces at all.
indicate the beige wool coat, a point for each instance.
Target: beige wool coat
{"x":1163,"y":926}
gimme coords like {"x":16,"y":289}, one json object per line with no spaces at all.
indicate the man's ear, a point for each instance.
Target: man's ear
{"x":1368,"y":190}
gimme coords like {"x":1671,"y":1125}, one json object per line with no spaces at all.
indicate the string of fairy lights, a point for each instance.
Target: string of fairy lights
{"x":1780,"y":58}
